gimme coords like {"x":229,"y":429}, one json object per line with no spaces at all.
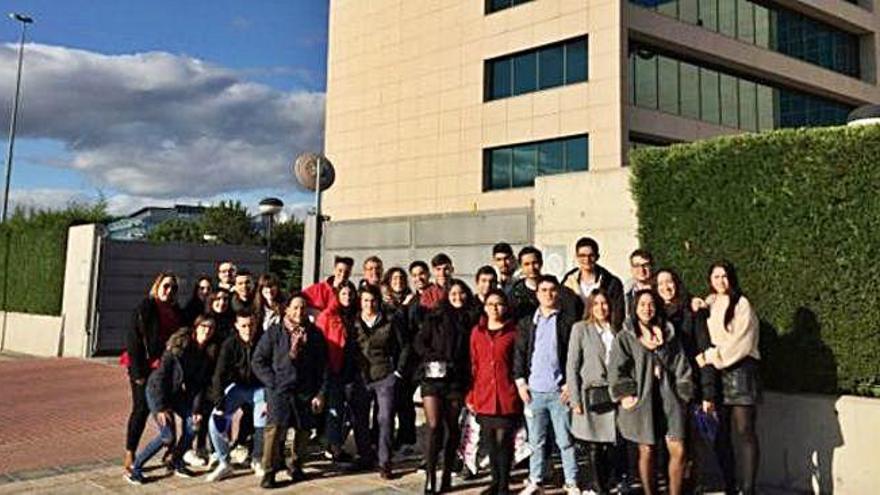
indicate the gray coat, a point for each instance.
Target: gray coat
{"x":631,"y":372}
{"x":585,"y":369}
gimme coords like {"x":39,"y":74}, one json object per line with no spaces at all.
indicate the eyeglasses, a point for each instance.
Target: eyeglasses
{"x":169,"y":286}
{"x":642,"y":266}
{"x":587,"y":256}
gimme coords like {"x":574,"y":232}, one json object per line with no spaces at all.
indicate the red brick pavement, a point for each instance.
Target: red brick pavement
{"x":60,"y":412}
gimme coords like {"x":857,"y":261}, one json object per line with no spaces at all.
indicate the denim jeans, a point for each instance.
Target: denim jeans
{"x":383,"y":391}
{"x":220,"y":423}
{"x":166,"y":437}
{"x":547,"y":410}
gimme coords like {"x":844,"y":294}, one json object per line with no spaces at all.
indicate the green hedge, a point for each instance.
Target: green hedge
{"x":37,"y":243}
{"x":798,"y":212}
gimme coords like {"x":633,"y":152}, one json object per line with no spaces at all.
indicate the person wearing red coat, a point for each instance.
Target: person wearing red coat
{"x":493,"y":396}
{"x":320,"y":294}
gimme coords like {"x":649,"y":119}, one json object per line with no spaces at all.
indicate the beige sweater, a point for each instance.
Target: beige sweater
{"x":739,"y":340}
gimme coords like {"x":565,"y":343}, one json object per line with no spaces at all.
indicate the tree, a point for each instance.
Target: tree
{"x":176,"y":230}
{"x":230,"y":222}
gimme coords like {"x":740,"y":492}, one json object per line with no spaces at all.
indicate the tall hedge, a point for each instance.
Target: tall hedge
{"x":798,"y":213}
{"x":37,"y":243}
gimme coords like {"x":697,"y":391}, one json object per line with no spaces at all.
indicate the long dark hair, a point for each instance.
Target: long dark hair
{"x":657,"y":320}
{"x":681,"y":295}
{"x":734,"y":291}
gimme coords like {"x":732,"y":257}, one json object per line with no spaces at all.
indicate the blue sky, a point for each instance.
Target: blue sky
{"x":265,"y":67}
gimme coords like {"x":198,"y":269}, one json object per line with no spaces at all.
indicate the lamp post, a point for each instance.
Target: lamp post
{"x":315,"y":173}
{"x":269,"y":207}
{"x":13,"y":121}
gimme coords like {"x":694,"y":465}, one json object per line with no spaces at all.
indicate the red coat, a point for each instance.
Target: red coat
{"x":320,"y":294}
{"x":333,"y":327}
{"x":493,"y":391}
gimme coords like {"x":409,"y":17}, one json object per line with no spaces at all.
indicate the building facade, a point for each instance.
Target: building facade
{"x":458,"y":123}
{"x":137,"y":225}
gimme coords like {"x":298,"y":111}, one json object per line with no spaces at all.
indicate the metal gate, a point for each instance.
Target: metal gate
{"x":127,"y":268}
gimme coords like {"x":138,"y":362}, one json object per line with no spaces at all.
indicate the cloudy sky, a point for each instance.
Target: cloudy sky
{"x":153,"y":102}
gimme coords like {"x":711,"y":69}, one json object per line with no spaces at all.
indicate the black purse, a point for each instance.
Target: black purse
{"x":598,"y":399}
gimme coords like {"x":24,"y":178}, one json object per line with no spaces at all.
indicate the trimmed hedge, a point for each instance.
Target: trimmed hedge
{"x":38,"y":248}
{"x":798,"y":213}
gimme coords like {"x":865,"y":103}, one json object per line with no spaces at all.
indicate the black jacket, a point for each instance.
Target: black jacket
{"x":525,"y":344}
{"x":445,"y":336}
{"x":611,"y":285}
{"x":184,"y":375}
{"x":524,"y":301}
{"x":306,"y":377}
{"x":142,"y":341}
{"x":383,"y":348}
{"x":693,"y":333}
{"x":233,"y":366}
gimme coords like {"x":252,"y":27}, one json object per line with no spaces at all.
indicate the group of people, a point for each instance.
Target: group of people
{"x":629,"y":380}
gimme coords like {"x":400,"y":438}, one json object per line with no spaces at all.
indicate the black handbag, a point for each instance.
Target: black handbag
{"x":598,"y":399}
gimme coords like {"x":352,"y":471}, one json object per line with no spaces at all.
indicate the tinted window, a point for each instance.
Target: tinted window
{"x":550,"y":67}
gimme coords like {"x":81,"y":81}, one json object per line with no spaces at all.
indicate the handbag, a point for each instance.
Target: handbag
{"x":598,"y":399}
{"x":436,"y":369}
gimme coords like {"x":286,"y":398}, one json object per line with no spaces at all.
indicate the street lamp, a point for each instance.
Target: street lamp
{"x":864,"y":115}
{"x":269,"y":207}
{"x":13,"y":121}
{"x":315,"y":173}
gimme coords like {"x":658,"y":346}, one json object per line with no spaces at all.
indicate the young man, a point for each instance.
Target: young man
{"x":420,"y":276}
{"x":641,"y":264}
{"x":226,"y":275}
{"x":485,"y":280}
{"x":373,"y":272}
{"x":235,"y":386}
{"x":434,"y":294}
{"x":242,"y":292}
{"x":291,"y":361}
{"x":539,"y":371}
{"x":320,"y":294}
{"x":589,"y":276}
{"x":505,"y":264}
{"x":523,"y":296}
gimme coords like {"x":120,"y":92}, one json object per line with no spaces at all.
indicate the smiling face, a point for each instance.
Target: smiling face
{"x":420,"y":278}
{"x":398,"y":281}
{"x":531,"y":266}
{"x":296,"y":311}
{"x":641,"y":269}
{"x":346,"y":296}
{"x":204,"y":331}
{"x":485,"y":283}
{"x":600,"y":309}
{"x":204,"y":289}
{"x":167,"y":289}
{"x":548,"y":295}
{"x":645,"y":309}
{"x":244,"y":325}
{"x":244,"y":285}
{"x":719,"y":280}
{"x":220,"y":302}
{"x":369,"y":304}
{"x":586,"y":258}
{"x":666,"y":287}
{"x":269,"y":293}
{"x":341,"y":273}
{"x":226,"y":273}
{"x":495,"y":307}
{"x":505,"y":263}
{"x":373,"y":272}
{"x":442,"y":273}
{"x":457,"y":296}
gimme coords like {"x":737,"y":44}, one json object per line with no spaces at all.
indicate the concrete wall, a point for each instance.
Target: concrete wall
{"x":39,"y":335}
{"x":820,"y":444}
{"x":80,"y":272}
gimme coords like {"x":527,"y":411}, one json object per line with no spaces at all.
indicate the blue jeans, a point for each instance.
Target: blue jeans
{"x":383,"y":391}
{"x":221,"y":421}
{"x":547,"y":410}
{"x":166,"y":437}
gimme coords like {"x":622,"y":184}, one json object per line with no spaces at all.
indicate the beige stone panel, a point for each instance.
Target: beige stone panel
{"x":495,"y":112}
{"x":573,"y":97}
{"x":450,"y":122}
{"x":494,"y":135}
{"x":452,"y":100}
{"x":511,"y":198}
{"x":574,"y":121}
{"x":545,"y":126}
{"x":545,"y":102}
{"x":571,"y":6}
{"x":548,"y":31}
{"x":519,"y":107}
{"x":519,"y":131}
{"x":573,"y":22}
{"x":429,"y":103}
{"x":409,"y":127}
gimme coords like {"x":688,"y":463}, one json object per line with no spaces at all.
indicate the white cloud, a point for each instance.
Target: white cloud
{"x":157,"y":126}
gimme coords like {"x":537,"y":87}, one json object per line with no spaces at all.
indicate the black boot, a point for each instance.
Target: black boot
{"x":430,"y":482}
{"x":268,"y":480}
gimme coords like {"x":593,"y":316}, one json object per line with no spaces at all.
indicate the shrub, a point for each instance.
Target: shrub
{"x":798,"y":212}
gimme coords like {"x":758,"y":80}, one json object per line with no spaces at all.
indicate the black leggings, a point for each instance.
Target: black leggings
{"x":605,"y":461}
{"x":497,"y":435}
{"x":137,"y":420}
{"x":441,"y":412}
{"x":745,"y":443}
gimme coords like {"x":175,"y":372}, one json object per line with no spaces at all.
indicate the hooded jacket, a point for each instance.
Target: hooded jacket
{"x":183,"y":376}
{"x":234,"y":366}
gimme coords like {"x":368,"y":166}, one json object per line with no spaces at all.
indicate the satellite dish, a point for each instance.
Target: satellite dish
{"x":305,"y":169}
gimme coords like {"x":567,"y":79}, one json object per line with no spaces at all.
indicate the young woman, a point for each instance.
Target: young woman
{"x":217,"y":307}
{"x":396,"y":293}
{"x":198,"y":302}
{"x":595,"y":414}
{"x":734,"y":332}
{"x":270,"y":301}
{"x":153,"y":322}
{"x":336,"y":322}
{"x":382,"y":354}
{"x":493,"y":396}
{"x":177,"y":388}
{"x":443,"y":345}
{"x":650,"y":376}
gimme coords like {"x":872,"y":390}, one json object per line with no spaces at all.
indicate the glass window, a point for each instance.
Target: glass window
{"x":762,"y":26}
{"x":550,"y":67}
{"x":499,"y":75}
{"x":499,"y":167}
{"x":709,"y":14}
{"x":710,"y":104}
{"x":745,"y":19}
{"x":667,"y":7}
{"x":727,"y":18}
{"x":765,"y":105}
{"x":646,"y":79}
{"x":729,"y":101}
{"x":524,"y":166}
{"x":668,"y":79}
{"x":690,"y":90}
{"x":748,"y":111}
{"x":550,"y":158}
{"x":496,"y":5}
{"x":525,"y":73}
{"x":576,"y":154}
{"x":576,"y":61}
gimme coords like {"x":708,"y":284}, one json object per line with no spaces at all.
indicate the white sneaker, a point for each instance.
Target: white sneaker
{"x":572,"y":490}
{"x":192,"y":458}
{"x":239,"y":454}
{"x":533,"y":489}
{"x":257,"y":468}
{"x":222,"y":471}
{"x":590,"y":492}
{"x":213,"y":460}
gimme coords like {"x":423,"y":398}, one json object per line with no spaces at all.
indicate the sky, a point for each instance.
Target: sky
{"x":157,"y":102}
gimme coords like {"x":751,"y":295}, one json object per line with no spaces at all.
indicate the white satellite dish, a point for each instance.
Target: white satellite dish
{"x":305,"y":169}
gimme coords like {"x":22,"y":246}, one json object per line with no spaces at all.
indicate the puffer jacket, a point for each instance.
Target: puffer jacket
{"x":183,"y":376}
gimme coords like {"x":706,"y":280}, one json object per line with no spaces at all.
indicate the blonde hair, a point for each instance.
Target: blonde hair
{"x":154,"y":289}
{"x":591,"y":301}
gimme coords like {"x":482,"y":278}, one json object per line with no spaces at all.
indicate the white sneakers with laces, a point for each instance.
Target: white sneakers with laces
{"x":222,"y":471}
